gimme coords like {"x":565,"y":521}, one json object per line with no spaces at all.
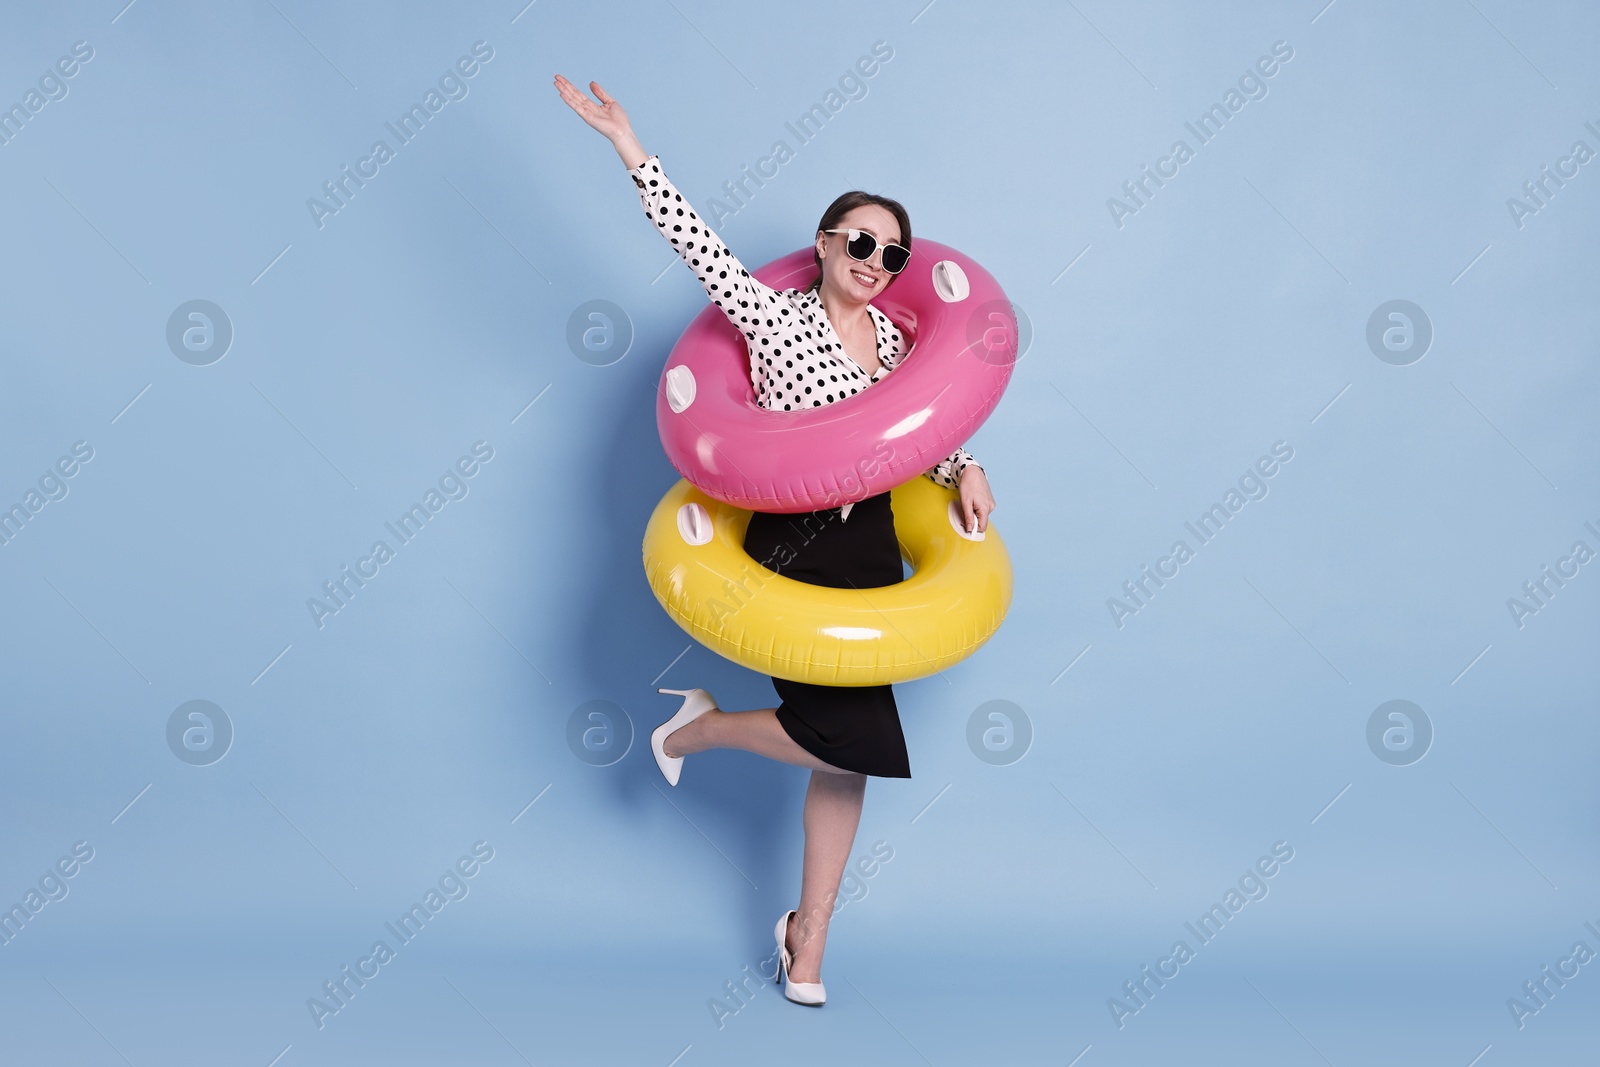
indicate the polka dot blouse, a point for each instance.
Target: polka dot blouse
{"x":796,"y":358}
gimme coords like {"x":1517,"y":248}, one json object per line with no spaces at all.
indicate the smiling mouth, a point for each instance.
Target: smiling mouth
{"x":865,"y":279}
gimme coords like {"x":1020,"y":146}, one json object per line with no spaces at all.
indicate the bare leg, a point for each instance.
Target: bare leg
{"x":752,"y":731}
{"x":833,"y":812}
{"x":832,"y":815}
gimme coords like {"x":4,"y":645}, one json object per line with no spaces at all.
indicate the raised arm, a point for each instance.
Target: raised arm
{"x":755,"y":309}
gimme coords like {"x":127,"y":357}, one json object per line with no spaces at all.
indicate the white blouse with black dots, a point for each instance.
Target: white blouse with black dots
{"x":790,"y":328}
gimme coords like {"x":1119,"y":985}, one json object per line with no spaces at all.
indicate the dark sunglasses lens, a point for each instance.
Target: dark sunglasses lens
{"x":895,"y":258}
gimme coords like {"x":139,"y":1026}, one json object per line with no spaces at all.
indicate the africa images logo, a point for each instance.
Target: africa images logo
{"x":339,"y":991}
{"x":452,"y":85}
{"x":341,"y":590}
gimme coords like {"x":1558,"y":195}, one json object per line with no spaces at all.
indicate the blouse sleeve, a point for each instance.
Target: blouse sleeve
{"x":948,"y":471}
{"x":757,"y":310}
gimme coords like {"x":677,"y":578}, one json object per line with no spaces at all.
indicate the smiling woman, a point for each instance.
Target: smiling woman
{"x":819,"y":345}
{"x":805,"y":349}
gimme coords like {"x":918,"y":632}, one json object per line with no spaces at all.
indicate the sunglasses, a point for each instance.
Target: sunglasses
{"x":861,"y":245}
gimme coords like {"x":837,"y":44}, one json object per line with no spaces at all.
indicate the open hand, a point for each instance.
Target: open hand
{"x":606,"y":116}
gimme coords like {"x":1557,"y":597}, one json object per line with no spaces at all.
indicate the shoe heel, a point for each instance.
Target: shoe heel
{"x":687,"y":712}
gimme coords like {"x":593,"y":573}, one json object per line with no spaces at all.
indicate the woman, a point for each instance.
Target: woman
{"x":807,"y":348}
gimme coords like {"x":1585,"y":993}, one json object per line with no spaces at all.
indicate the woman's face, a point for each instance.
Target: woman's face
{"x":852,"y":279}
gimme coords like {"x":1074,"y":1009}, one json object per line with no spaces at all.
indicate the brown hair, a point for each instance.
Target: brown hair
{"x":841,"y":207}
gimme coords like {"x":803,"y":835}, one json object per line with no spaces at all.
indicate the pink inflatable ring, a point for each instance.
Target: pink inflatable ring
{"x":963,"y":334}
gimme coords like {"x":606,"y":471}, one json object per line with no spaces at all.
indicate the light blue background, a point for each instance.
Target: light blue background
{"x":1229,"y":313}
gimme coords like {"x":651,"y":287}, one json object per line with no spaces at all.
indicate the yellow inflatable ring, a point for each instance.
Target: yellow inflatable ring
{"x":955,"y":599}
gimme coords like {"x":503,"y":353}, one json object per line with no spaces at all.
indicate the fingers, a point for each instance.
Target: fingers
{"x":586,"y":109}
{"x":978,"y":510}
{"x":571,"y":93}
{"x":600,"y":94}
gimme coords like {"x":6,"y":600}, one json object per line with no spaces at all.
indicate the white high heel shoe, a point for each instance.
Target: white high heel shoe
{"x":810,"y":993}
{"x":696,"y":702}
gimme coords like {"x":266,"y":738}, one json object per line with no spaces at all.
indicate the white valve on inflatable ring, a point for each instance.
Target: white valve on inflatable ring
{"x":680,"y":388}
{"x":694,"y":524}
{"x":956,"y":523}
{"x":950,"y":281}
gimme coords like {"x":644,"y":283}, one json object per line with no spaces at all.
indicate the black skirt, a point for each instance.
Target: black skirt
{"x":856,"y":728}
